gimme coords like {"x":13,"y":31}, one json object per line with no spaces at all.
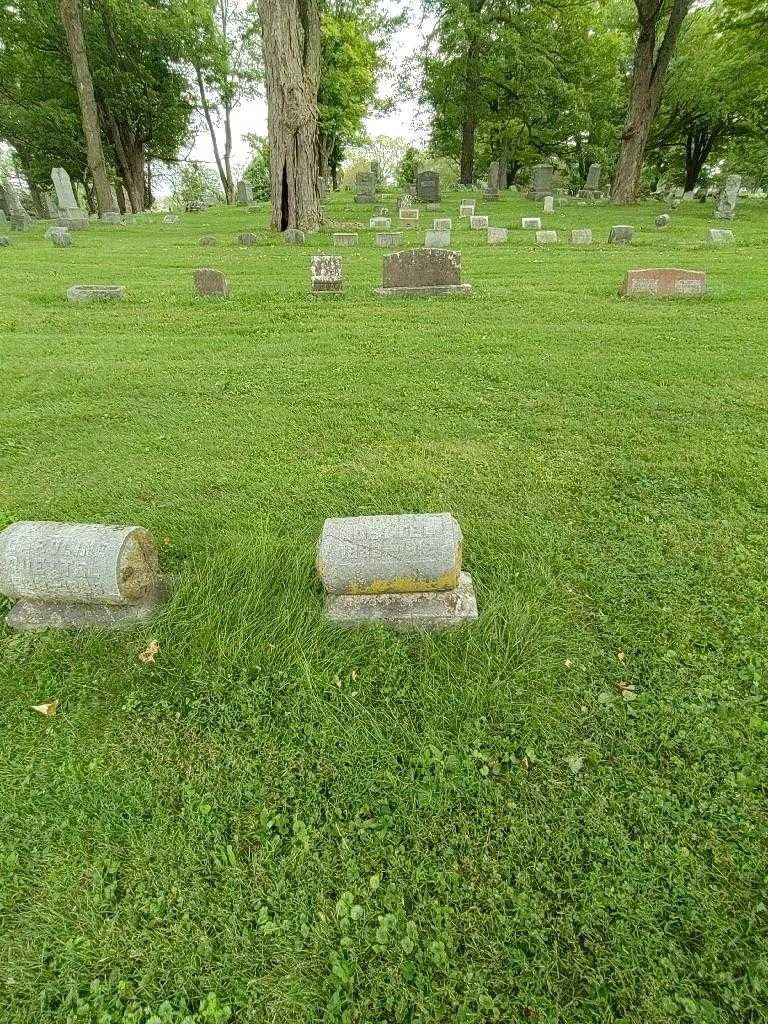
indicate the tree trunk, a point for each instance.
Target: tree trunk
{"x":37,"y":199}
{"x":212,"y":132}
{"x":290,"y":32}
{"x":469,"y":119}
{"x":229,"y":188}
{"x":698,"y":146}
{"x":69,"y":11}
{"x":648,"y":73}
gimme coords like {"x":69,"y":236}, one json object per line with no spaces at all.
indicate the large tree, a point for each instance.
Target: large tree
{"x":658,"y":28}
{"x":290,"y":32}
{"x":73,"y":28}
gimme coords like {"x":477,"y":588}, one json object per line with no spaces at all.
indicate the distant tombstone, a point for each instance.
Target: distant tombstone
{"x":60,"y":237}
{"x":531,"y":223}
{"x":65,"y":195}
{"x":478,"y":223}
{"x":497,"y":235}
{"x":365,"y":187}
{"x":542,"y":181}
{"x":74,"y":575}
{"x":437,"y":239}
{"x":20,"y":220}
{"x":49,"y":206}
{"x":726,"y":206}
{"x":467,"y":208}
{"x":621,"y":234}
{"x":389,"y":239}
{"x":244,"y":193}
{"x":549,"y":204}
{"x":293,"y":236}
{"x":720,"y":236}
{"x":428,"y":186}
{"x":247,"y":238}
{"x":665,"y":283}
{"x":494,"y":175}
{"x":593,"y":177}
{"x":170,"y":218}
{"x":581,"y":236}
{"x":326,"y":274}
{"x":662,"y":221}
{"x":402,"y":571}
{"x":546,"y":237}
{"x":346,"y":239}
{"x":210,"y":283}
{"x":380,"y":222}
{"x":442,"y":224}
{"x":111,"y":217}
{"x":423,"y":272}
{"x":207,"y":241}
{"x":96,"y":293}
{"x":408,"y":216}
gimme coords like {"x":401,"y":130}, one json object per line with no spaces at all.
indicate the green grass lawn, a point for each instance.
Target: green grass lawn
{"x":556,"y":815}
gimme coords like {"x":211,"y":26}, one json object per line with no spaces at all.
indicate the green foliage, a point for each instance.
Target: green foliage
{"x":257,"y":171}
{"x":406,"y":169}
{"x":194,"y":183}
{"x":557,"y":815}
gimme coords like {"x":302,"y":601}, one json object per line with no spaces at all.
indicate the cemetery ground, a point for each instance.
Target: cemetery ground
{"x":555,"y":814}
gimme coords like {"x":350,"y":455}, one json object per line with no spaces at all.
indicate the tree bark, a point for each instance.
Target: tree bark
{"x":469,"y":118}
{"x":71,"y":20}
{"x":224,"y":175}
{"x":648,"y":74}
{"x":290,"y":32}
{"x":698,"y":146}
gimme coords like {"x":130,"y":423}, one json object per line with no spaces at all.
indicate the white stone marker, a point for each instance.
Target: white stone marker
{"x":437,"y":239}
{"x":478,"y":223}
{"x":326,"y":275}
{"x":380,"y":222}
{"x":96,"y":293}
{"x":386,"y":239}
{"x":546,"y":237}
{"x":467,"y":209}
{"x":497,"y":235}
{"x":71,"y":575}
{"x":402,"y":571}
{"x":581,"y":236}
{"x":442,"y":224}
{"x":621,"y":234}
{"x":170,"y":218}
{"x":531,"y":223}
{"x":549,"y":204}
{"x":345,"y":239}
{"x":721,"y":236}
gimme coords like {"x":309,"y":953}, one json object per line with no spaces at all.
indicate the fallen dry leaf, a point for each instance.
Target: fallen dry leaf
{"x":148,"y":656}
{"x":48,"y":710}
{"x":524,"y":762}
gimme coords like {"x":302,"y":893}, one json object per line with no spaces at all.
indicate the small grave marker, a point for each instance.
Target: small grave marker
{"x":442,"y":224}
{"x":531,"y":223}
{"x":423,"y":272}
{"x":380,"y":222}
{"x":437,"y":239}
{"x":210,"y":283}
{"x":345,"y":239}
{"x":549,"y":204}
{"x":720,"y":236}
{"x":96,"y":293}
{"x":662,"y":221}
{"x":293,"y":236}
{"x":581,"y":236}
{"x":665,"y":283}
{"x":207,"y":241}
{"x":546,"y":237}
{"x":386,"y":239}
{"x":478,"y":223}
{"x":247,"y":238}
{"x":497,"y":235}
{"x":621,"y":234}
{"x":326,"y":274}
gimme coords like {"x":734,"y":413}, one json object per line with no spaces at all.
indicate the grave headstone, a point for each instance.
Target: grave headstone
{"x":437,"y":239}
{"x":60,"y":237}
{"x":65,"y":195}
{"x":665,"y":283}
{"x":20,"y":220}
{"x":442,"y":224}
{"x":408,"y":216}
{"x":542,"y":181}
{"x":346,"y":238}
{"x":244,"y":193}
{"x":720,"y":236}
{"x":494,"y":175}
{"x":111,"y":217}
{"x":662,"y":221}
{"x":365,"y":187}
{"x":546,"y":237}
{"x":210,"y":283}
{"x":326,"y":274}
{"x":380,"y":222}
{"x":170,"y":218}
{"x":497,"y":235}
{"x":293,"y":236}
{"x":247,"y":238}
{"x":49,"y":205}
{"x":423,"y":272}
{"x":96,"y":293}
{"x":403,"y":571}
{"x":726,"y":206}
{"x":593,"y":177}
{"x":531,"y":223}
{"x":207,"y":241}
{"x":549,"y":204}
{"x":388,"y":239}
{"x":428,"y":186}
{"x":478,"y":222}
{"x":75,"y":575}
{"x":466,"y":208}
{"x":581,"y":236}
{"x":621,"y":234}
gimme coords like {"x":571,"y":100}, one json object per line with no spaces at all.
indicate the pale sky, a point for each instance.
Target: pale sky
{"x":404,"y":121}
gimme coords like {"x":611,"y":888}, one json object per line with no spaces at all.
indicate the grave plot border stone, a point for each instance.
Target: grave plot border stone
{"x":96,"y":293}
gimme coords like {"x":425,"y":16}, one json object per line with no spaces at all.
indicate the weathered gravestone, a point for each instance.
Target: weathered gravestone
{"x":581,"y":236}
{"x":380,"y":222}
{"x":662,"y":221}
{"x":74,"y":575}
{"x":111,"y":217}
{"x":49,"y":206}
{"x":96,"y":293}
{"x":549,"y":204}
{"x":665,"y":283}
{"x":244,"y":193}
{"x":497,"y":235}
{"x":726,"y":206}
{"x":592,"y":184}
{"x":365,"y":187}
{"x":207,"y":241}
{"x":65,"y":195}
{"x":403,"y":571}
{"x":467,"y":208}
{"x":428,"y":186}
{"x":494,"y":176}
{"x":478,"y":222}
{"x":60,"y":237}
{"x":210,"y":283}
{"x":437,"y":239}
{"x":423,"y":272}
{"x":621,"y":234}
{"x":442,"y":224}
{"x":346,"y":238}
{"x":170,"y":218}
{"x":542,"y":181}
{"x":293,"y":236}
{"x":387,"y":239}
{"x":546,"y":237}
{"x":720,"y":236}
{"x":20,"y":219}
{"x":409,"y":216}
{"x":247,"y":238}
{"x":326,"y":274}
{"x":531,"y":223}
